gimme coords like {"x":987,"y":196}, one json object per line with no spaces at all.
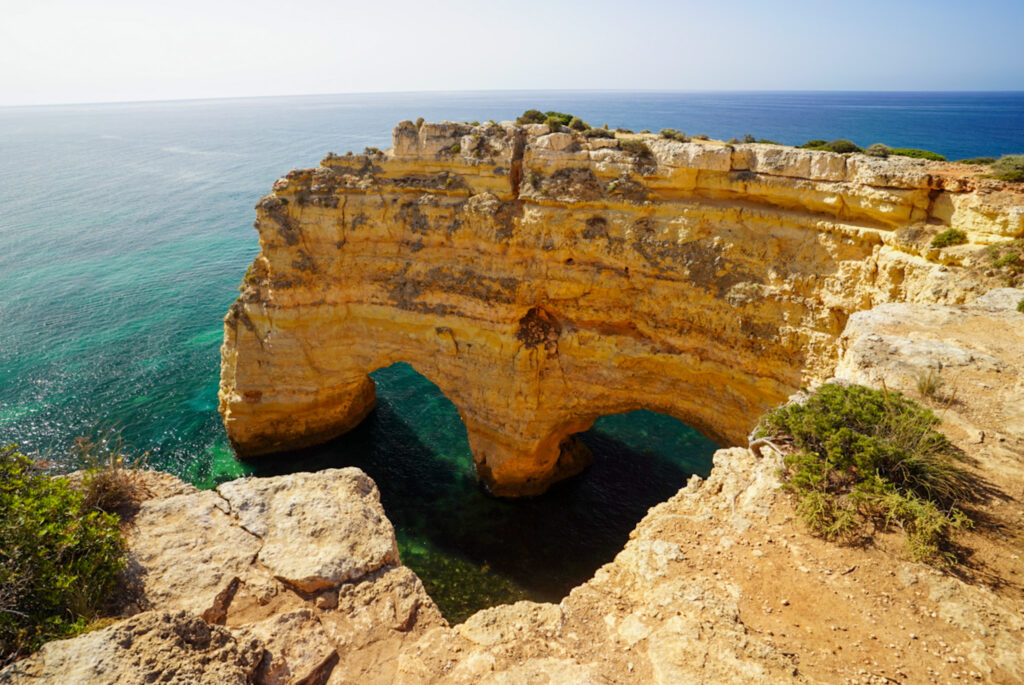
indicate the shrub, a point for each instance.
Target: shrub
{"x":1008,"y":259}
{"x":702,"y":136}
{"x":531,"y":116}
{"x":1009,"y":168}
{"x":59,"y":560}
{"x":815,"y":144}
{"x":747,"y":138}
{"x":917,"y":154}
{"x":636,"y":147}
{"x":673,"y":134}
{"x":768,"y":141}
{"x":1020,"y":306}
{"x":977,"y":160}
{"x":867,"y":456}
{"x":878,"y":150}
{"x":562,"y":117}
{"x":951,"y":236}
{"x":577,"y":124}
{"x":554,"y":124}
{"x":842,"y":146}
{"x":372,"y":151}
{"x":598,"y":133}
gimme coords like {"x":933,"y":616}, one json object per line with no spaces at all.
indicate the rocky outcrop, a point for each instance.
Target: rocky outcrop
{"x":289,"y":573}
{"x":153,"y":647}
{"x":542,"y":280}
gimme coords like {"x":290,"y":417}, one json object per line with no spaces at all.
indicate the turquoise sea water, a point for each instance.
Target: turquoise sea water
{"x":125,"y":229}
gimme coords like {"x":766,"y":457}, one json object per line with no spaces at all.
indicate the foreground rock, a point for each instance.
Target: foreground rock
{"x":294,"y":570}
{"x":153,"y":647}
{"x":701,"y":280}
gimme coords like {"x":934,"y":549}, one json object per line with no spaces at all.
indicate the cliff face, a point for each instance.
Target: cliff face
{"x":543,"y":280}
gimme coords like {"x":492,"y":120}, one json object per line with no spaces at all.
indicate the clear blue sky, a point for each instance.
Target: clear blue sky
{"x":54,"y":51}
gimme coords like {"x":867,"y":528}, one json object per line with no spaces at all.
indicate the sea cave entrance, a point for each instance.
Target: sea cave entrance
{"x":472,"y":550}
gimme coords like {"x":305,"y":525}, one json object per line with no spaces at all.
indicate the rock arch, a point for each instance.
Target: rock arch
{"x":708,"y":283}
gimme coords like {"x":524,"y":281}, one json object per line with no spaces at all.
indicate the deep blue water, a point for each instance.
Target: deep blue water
{"x":125,"y":229}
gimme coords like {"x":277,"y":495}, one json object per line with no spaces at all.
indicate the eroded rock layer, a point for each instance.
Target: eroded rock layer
{"x":542,"y":280}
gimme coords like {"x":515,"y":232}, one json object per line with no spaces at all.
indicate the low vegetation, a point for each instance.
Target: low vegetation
{"x":598,"y":133}
{"x":878,"y":150}
{"x":60,"y":552}
{"x":840,"y":145}
{"x":673,"y":134}
{"x":865,"y":460}
{"x":977,"y":160}
{"x":636,"y":147}
{"x":917,"y":154}
{"x":949,"y":237}
{"x":1007,"y":261}
{"x":1009,"y":168}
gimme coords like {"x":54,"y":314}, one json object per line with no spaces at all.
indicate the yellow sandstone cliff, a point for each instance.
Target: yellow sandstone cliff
{"x":542,"y":280}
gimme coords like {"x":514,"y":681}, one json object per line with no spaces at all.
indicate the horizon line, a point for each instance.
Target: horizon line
{"x":491,"y":91}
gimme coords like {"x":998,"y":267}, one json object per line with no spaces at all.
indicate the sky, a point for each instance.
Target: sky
{"x":63,"y":51}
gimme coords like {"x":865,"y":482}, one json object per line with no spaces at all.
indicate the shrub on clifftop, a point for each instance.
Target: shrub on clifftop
{"x":59,"y":559}
{"x":1009,"y":168}
{"x":866,"y":456}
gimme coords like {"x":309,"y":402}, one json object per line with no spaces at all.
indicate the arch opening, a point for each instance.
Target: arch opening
{"x":472,"y":550}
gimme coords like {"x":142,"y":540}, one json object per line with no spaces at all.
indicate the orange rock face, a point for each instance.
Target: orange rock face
{"x":542,"y":280}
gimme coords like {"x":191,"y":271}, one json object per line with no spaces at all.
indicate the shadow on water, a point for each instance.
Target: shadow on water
{"x":472,"y":550}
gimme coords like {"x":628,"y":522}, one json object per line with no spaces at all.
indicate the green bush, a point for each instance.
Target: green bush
{"x":842,"y":146}
{"x":1020,"y":306}
{"x":577,"y":124}
{"x":636,"y":147}
{"x":702,"y":136}
{"x":562,"y":117}
{"x":768,"y":141}
{"x":598,"y":133}
{"x":1009,"y":168}
{"x":531,"y":116}
{"x":1008,"y":259}
{"x":59,"y":560}
{"x":951,"y":236}
{"x":917,"y":154}
{"x":554,"y":124}
{"x":878,"y":150}
{"x":673,"y":134}
{"x":747,"y":138}
{"x":977,"y":160}
{"x":868,"y":456}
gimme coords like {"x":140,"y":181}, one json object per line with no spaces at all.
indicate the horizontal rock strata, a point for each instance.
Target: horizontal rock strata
{"x":542,"y":280}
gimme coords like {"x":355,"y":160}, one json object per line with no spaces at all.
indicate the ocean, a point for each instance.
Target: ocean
{"x":125,"y":230}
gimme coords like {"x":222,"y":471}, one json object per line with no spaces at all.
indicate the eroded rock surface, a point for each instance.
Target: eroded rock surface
{"x":290,"y":572}
{"x":152,"y":647}
{"x":542,"y":280}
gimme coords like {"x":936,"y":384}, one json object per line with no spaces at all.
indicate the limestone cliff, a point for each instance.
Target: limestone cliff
{"x":542,"y":280}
